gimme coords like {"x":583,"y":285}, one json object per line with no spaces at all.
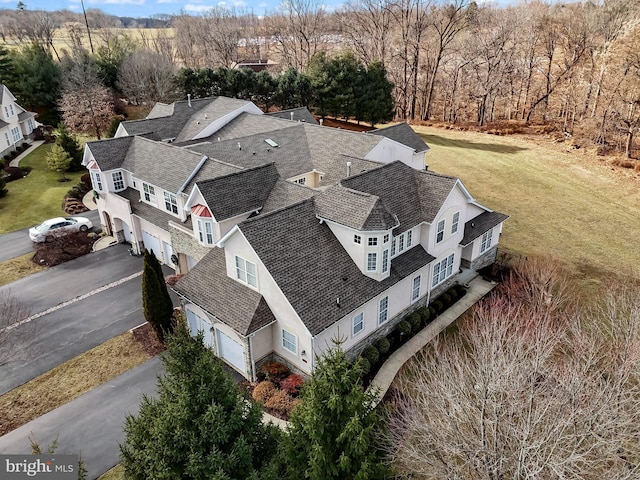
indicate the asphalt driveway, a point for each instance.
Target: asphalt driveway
{"x":17,"y":243}
{"x":90,"y":425}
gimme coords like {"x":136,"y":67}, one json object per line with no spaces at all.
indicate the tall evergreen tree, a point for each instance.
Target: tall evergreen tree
{"x":334,"y":431}
{"x":374,"y":97}
{"x":70,"y":144}
{"x":156,"y":302}
{"x":6,"y":67}
{"x":199,"y":426}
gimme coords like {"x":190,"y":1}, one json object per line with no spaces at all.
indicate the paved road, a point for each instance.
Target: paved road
{"x":91,"y":424}
{"x":74,"y":306}
{"x":17,"y":243}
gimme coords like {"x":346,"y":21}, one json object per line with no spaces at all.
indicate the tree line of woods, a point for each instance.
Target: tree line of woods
{"x":533,"y":383}
{"x":574,"y":65}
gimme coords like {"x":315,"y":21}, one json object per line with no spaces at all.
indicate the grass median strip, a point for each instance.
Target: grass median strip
{"x":69,"y":380}
{"x":17,"y":268}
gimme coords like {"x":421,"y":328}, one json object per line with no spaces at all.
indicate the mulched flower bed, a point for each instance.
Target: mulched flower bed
{"x":147,"y":339}
{"x":63,"y":248}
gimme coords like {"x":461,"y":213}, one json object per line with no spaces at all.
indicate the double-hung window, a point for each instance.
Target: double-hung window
{"x":456,"y":220}
{"x":440,"y":231}
{"x":393,"y":247}
{"x":118,"y":181}
{"x":415,"y":289}
{"x":442,"y":270}
{"x":15,"y":133}
{"x":289,"y":341}
{"x":149,"y":192}
{"x":6,"y":112}
{"x":11,"y":108}
{"x":358,"y":323}
{"x":486,"y":241}
{"x":409,"y":238}
{"x":372,"y":262}
{"x":383,"y":310}
{"x":246,"y":272}
{"x":6,"y":137}
{"x":400,"y":243}
{"x":97,"y":181}
{"x":205,"y":232}
{"x":170,"y":203}
{"x":385,"y":261}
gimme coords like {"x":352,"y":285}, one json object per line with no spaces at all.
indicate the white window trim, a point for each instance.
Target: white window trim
{"x":148,"y":192}
{"x":385,"y":238}
{"x":294,"y":342}
{"x":116,"y":181}
{"x":98,"y":181}
{"x":170,"y":200}
{"x":440,"y":231}
{"x":6,"y":136}
{"x":409,"y":238}
{"x":372,"y":262}
{"x":359,"y":316}
{"x":242,"y":270}
{"x":203,"y":233}
{"x":385,"y":261}
{"x":357,"y":239}
{"x":384,"y":310}
{"x":372,"y":241}
{"x":442,"y":270}
{"x":454,"y":224}
{"x":487,"y":241}
{"x":415,"y":292}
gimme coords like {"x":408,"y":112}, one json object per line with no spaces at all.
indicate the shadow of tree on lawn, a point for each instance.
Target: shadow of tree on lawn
{"x":458,"y":143}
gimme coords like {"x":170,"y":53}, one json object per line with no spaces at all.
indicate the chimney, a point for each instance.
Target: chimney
{"x":291,"y":116}
{"x":189,"y":99}
{"x":348,"y":169}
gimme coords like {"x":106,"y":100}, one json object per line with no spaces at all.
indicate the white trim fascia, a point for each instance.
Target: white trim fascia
{"x":222,"y":241}
{"x":187,"y":204}
{"x":86,"y":159}
{"x":121,"y":131}
{"x":193,"y":174}
{"x":365,"y":232}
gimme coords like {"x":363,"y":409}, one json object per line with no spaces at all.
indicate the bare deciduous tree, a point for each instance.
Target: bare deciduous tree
{"x":146,"y":76}
{"x":12,"y":311}
{"x":529,"y":387}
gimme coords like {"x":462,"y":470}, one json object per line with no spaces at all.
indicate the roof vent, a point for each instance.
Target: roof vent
{"x":205,"y":116}
{"x":321,"y":121}
{"x":291,"y":115}
{"x":271,"y":143}
{"x":239,"y":146}
{"x":338,"y":302}
{"x":348,"y":169}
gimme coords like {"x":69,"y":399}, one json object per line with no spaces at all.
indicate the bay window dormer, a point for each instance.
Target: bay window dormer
{"x":203,"y":225}
{"x":117,"y":180}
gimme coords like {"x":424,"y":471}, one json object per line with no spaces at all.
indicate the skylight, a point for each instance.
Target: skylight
{"x":271,"y":143}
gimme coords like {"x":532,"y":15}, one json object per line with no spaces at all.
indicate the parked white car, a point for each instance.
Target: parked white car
{"x":57,"y":226}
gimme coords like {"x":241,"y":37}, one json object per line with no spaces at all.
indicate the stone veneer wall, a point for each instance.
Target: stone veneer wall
{"x":182,"y":242}
{"x":487,"y":258}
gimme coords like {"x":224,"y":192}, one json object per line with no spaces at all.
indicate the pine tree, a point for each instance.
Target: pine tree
{"x":70,"y":144}
{"x":156,"y":302}
{"x":199,"y":425}
{"x":58,"y":160}
{"x":333,"y":432}
{"x":3,"y":183}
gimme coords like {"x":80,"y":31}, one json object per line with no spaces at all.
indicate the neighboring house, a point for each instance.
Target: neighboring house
{"x":16,"y":123}
{"x":290,"y":234}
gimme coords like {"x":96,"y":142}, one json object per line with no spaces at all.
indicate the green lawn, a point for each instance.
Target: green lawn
{"x":563,"y":203}
{"x":36,"y":197}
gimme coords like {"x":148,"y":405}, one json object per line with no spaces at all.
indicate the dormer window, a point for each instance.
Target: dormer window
{"x":357,"y":239}
{"x":149,"y":193}
{"x":96,"y":179}
{"x":409,"y":235}
{"x":118,"y":181}
{"x":205,"y":231}
{"x":393,"y":247}
{"x":385,"y":261}
{"x":400,"y":243}
{"x":372,"y":241}
{"x":170,"y":203}
{"x":372,"y":262}
{"x":385,"y":239}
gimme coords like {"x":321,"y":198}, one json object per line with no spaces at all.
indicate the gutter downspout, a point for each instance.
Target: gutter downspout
{"x":251,"y":360}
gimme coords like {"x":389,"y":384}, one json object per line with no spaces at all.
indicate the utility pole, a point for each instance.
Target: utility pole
{"x":87,"y":24}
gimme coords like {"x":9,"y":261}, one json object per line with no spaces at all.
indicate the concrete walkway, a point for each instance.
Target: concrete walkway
{"x":478,"y":288}
{"x":16,"y":161}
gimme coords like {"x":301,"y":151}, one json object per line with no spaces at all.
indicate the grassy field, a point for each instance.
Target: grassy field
{"x":566,"y":204}
{"x":36,"y":197}
{"x":17,"y":268}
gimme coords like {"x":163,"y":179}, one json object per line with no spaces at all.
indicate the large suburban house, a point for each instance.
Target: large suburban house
{"x":16,"y":123}
{"x":289,"y":234}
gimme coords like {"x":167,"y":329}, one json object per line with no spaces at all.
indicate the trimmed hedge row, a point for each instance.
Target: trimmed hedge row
{"x":408,"y":327}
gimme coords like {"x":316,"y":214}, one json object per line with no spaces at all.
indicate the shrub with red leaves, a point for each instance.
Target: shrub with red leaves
{"x":275,"y":371}
{"x":292,"y":384}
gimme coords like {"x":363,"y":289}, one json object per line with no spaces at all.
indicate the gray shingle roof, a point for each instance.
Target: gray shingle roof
{"x":151,"y":214}
{"x":161,"y":110}
{"x":3,"y":124}
{"x":169,"y":126}
{"x":403,"y":133}
{"x":284,"y":194}
{"x":239,"y":192}
{"x":245,"y":125}
{"x":232,"y":303}
{"x":24,"y":115}
{"x":110,"y":153}
{"x":300,"y":114}
{"x":354,"y":209}
{"x":214,"y":110}
{"x":480,"y":225}
{"x":412,"y":196}
{"x":312,"y":269}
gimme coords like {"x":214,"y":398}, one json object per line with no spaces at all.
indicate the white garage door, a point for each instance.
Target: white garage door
{"x":231,"y":351}
{"x":168,"y":251}
{"x":199,"y":324}
{"x":126,"y":231}
{"x":152,"y":243}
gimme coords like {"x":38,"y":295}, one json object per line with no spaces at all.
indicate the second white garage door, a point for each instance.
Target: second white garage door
{"x":152,"y":243}
{"x":231,"y":351}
